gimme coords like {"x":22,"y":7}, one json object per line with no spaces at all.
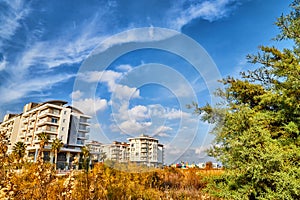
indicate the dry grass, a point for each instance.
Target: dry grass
{"x":37,"y":181}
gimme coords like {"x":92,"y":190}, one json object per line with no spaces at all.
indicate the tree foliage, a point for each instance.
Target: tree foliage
{"x":19,"y":150}
{"x":44,"y":140}
{"x":56,"y":145}
{"x":257,"y":126}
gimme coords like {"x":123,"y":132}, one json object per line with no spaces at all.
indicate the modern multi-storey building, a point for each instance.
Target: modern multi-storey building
{"x":146,"y":150}
{"x":117,"y":151}
{"x":54,"y":118}
{"x":143,"y":150}
{"x":95,"y":149}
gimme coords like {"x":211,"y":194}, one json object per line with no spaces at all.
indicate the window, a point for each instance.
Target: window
{"x":65,"y":112}
{"x":55,"y":111}
{"x":53,"y":128}
{"x":82,"y":127}
{"x":62,"y":128}
{"x":54,"y":120}
{"x":64,"y":120}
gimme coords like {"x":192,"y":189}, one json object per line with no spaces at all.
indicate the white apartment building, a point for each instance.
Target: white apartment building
{"x":10,"y":127}
{"x":143,"y":150}
{"x":95,"y":148}
{"x":117,"y":151}
{"x":146,"y":150}
{"x":54,"y":118}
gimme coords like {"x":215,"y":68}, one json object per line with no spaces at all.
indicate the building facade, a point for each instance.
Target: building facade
{"x":146,"y":150}
{"x":54,"y":118}
{"x":117,"y":151}
{"x":143,"y":150}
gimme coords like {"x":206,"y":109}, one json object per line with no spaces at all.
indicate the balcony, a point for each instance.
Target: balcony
{"x":32,"y":118}
{"x":84,"y":122}
{"x":49,"y":113}
{"x":80,"y":142}
{"x":48,"y":131}
{"x":25,"y":121}
{"x":30,"y":126}
{"x":46,"y":122}
{"x":22,"y":136}
{"x":83,"y":136}
{"x":84,"y":129}
{"x":36,"y":141}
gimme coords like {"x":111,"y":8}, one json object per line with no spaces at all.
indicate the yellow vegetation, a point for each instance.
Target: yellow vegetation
{"x":39,"y":181}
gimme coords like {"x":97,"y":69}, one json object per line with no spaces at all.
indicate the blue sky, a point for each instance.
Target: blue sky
{"x":52,"y":50}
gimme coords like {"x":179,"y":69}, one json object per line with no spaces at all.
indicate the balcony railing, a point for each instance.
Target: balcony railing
{"x":50,"y":113}
{"x":86,"y":130}
{"x":83,"y":136}
{"x":80,"y":142}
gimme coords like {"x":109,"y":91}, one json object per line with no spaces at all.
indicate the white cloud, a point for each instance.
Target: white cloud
{"x":182,"y":91}
{"x":138,"y":113}
{"x":18,"y":90}
{"x":125,"y":92}
{"x":154,"y":120}
{"x":125,"y":68}
{"x":119,"y":92}
{"x":108,"y":76}
{"x":15,"y":11}
{"x":59,"y":52}
{"x":162,"y":134}
{"x":201,"y":150}
{"x":76,"y":94}
{"x":131,"y":127}
{"x":161,"y":131}
{"x":3,"y":64}
{"x":41,"y":55}
{"x":134,"y":35}
{"x":172,"y":150}
{"x":208,"y":10}
{"x":90,"y":106}
{"x":176,"y":114}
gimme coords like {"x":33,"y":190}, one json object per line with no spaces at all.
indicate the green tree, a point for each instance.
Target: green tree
{"x":56,"y":145}
{"x":85,"y":157}
{"x":44,"y":140}
{"x":19,"y":150}
{"x":257,"y":126}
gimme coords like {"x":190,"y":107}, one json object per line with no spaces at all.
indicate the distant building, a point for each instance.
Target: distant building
{"x":143,"y":150}
{"x":117,"y":151}
{"x":146,"y":150}
{"x":95,"y":148}
{"x":56,"y":120}
{"x":202,"y":165}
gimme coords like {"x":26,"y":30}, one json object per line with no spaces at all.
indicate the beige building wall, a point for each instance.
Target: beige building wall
{"x":52,"y":117}
{"x":10,"y":127}
{"x":145,"y":150}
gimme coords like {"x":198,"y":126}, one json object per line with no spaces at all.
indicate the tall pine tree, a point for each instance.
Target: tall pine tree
{"x":257,"y":128}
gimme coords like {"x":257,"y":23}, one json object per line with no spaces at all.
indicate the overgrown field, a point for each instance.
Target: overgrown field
{"x":39,"y":181}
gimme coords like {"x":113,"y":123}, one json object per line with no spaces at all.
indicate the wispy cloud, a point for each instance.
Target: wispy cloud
{"x":40,"y":57}
{"x":19,"y":89}
{"x":12,"y":12}
{"x":90,"y":106}
{"x":208,"y":10}
{"x":3,"y":63}
{"x":76,"y":94}
{"x":150,"y":34}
